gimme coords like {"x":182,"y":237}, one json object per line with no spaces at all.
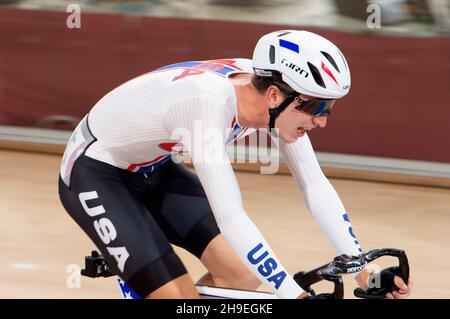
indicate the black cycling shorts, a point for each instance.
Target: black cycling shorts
{"x":133,"y":217}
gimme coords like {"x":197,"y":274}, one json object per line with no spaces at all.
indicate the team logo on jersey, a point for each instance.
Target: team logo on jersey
{"x":104,"y":227}
{"x":350,"y":231}
{"x":220,"y":67}
{"x":267,"y":265}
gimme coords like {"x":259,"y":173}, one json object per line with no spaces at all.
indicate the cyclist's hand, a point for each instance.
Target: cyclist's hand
{"x":394,"y":284}
{"x":362,"y":278}
{"x":389,"y":278}
{"x":404,"y":290}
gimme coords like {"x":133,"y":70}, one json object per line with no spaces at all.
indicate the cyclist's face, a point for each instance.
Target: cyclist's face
{"x":293,"y":124}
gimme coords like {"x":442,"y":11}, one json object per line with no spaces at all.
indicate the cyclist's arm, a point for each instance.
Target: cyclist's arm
{"x":320,"y":196}
{"x":215,"y":172}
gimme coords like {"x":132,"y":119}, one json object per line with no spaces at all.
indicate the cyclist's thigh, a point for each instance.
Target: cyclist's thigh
{"x":118,"y":223}
{"x":180,"y":206}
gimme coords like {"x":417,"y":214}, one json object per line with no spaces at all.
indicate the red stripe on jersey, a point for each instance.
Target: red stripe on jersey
{"x":132,"y":167}
{"x":233,"y":121}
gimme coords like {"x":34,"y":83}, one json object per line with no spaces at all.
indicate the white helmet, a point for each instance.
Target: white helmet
{"x":308,"y":63}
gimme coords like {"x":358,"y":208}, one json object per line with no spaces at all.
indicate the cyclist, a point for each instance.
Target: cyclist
{"x":120,"y":183}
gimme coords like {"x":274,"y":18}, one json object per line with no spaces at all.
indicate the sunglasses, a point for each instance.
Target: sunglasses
{"x":315,"y":107}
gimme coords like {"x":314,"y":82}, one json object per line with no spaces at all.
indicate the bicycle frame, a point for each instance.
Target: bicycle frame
{"x":96,"y":266}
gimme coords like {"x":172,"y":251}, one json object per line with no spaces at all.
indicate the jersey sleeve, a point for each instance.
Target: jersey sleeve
{"x":205,"y":118}
{"x":320,"y":196}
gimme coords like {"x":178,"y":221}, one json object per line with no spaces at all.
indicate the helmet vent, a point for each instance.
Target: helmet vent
{"x":330,"y":58}
{"x":272,"y":54}
{"x":345,"y":63}
{"x":284,"y":33}
{"x":316,"y":75}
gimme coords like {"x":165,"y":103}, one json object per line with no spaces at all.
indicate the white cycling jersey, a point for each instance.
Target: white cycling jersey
{"x":136,"y":127}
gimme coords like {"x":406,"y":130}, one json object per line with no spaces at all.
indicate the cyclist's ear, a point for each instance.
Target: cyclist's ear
{"x":274,"y":96}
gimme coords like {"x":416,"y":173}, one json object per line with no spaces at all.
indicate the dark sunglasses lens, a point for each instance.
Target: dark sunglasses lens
{"x":316,"y":107}
{"x":324,"y":107}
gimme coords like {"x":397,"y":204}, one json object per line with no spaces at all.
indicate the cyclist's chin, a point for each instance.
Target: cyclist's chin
{"x":288,"y":137}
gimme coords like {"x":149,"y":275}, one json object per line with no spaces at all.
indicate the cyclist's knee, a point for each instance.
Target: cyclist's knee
{"x":163,"y":272}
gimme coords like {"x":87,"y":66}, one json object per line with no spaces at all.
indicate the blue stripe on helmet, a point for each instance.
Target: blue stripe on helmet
{"x":289,"y":45}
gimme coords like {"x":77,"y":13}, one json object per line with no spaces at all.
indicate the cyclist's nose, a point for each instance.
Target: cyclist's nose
{"x":320,"y":121}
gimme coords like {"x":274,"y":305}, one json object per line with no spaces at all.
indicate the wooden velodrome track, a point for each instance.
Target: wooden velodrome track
{"x":39,"y":240}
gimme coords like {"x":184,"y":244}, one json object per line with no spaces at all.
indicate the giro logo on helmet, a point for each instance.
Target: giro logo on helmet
{"x":294,"y":67}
